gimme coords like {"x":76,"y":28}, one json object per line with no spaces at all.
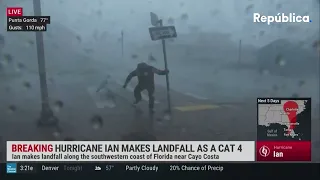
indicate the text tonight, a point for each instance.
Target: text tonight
{"x":20,"y":20}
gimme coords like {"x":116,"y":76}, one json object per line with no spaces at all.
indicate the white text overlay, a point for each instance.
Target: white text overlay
{"x":130,"y":151}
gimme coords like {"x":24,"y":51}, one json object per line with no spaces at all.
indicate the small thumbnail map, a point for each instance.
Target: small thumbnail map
{"x":284,"y":119}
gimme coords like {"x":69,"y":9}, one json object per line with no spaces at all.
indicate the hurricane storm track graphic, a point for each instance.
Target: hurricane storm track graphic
{"x":284,"y":114}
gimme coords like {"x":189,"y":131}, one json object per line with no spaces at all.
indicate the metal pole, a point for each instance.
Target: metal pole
{"x":46,"y":112}
{"x":122,"y":42}
{"x":239,"y":58}
{"x":166,"y":67}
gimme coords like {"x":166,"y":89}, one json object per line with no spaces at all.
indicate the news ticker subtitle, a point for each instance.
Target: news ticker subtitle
{"x":27,"y":23}
{"x":154,"y":151}
{"x":134,"y":151}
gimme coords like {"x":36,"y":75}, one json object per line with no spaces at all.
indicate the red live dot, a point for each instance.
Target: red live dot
{"x":291,"y":108}
{"x":14,"y":11}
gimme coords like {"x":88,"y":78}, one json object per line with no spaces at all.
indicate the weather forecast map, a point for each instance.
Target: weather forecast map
{"x":284,"y":119}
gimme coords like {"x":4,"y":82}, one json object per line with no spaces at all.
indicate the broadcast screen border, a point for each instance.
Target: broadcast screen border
{"x":230,"y":170}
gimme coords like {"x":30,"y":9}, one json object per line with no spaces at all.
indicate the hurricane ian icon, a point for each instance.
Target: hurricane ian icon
{"x":264,"y":151}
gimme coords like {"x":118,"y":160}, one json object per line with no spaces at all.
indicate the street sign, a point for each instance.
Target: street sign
{"x":154,"y":19}
{"x":163,"y":32}
{"x":160,"y":32}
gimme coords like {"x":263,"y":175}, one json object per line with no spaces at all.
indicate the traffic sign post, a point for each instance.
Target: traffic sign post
{"x":46,"y":117}
{"x":160,"y":32}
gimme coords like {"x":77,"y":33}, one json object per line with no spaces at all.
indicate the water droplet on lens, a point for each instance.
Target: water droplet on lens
{"x":79,"y":38}
{"x":57,"y":106}
{"x":151,"y":58}
{"x":99,"y":13}
{"x":167,"y":116}
{"x":12,"y":108}
{"x":108,"y":97}
{"x":57,"y":133}
{"x":214,"y":12}
{"x":261,"y":33}
{"x":97,"y":122}
{"x":51,"y":80}
{"x":170,"y":21}
{"x":21,"y":66}
{"x":278,"y":6}
{"x":88,"y":50}
{"x":183,"y":130}
{"x":184,"y":17}
{"x":263,"y":71}
{"x":52,"y":119}
{"x":301,"y":83}
{"x":249,"y":8}
{"x":275,"y":87}
{"x":8,"y":58}
{"x":29,"y":43}
{"x":7,"y":89}
{"x":27,"y":85}
{"x":280,"y":61}
{"x":134,"y":56}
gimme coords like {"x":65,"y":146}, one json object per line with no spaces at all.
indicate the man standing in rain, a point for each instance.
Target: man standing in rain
{"x":145,"y":74}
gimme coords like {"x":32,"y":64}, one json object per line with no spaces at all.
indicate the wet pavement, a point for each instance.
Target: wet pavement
{"x":108,"y":115}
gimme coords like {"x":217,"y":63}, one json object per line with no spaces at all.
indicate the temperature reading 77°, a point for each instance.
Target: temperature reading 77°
{"x":44,"y":19}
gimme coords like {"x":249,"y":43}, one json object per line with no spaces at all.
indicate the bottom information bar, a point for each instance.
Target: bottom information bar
{"x":216,"y":169}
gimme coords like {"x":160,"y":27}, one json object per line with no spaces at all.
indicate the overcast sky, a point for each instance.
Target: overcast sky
{"x":229,"y":16}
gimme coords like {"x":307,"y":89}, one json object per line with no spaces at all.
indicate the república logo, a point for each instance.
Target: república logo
{"x":280,"y":18}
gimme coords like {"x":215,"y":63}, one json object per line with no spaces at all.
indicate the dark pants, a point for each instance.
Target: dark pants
{"x":137,"y":94}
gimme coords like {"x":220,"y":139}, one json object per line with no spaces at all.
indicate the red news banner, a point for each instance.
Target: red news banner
{"x":17,"y":22}
{"x":284,"y":129}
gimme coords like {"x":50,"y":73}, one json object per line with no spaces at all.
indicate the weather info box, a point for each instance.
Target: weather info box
{"x":284,"y":129}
